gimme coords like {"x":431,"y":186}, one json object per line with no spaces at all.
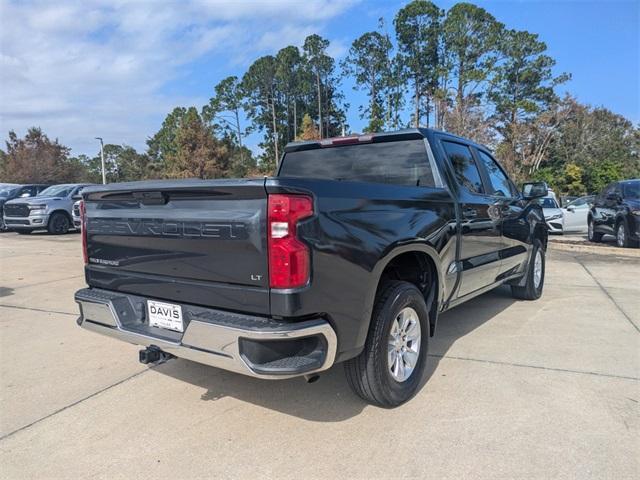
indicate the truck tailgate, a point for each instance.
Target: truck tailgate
{"x":201,"y":242}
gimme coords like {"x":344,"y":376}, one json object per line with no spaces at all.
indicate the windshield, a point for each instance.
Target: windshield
{"x":57,"y":191}
{"x":547,"y":202}
{"x":7,"y":191}
{"x":632,"y":190}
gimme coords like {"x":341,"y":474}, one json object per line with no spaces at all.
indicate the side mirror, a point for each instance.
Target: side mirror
{"x":533,"y":190}
{"x":76,"y":197}
{"x":25,"y":195}
{"x":571,"y":209}
{"x":613,"y":197}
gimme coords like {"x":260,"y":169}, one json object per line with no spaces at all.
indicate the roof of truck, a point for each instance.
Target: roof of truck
{"x":405,"y":134}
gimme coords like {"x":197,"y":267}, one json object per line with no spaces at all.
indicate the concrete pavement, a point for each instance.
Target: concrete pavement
{"x":516,"y":390}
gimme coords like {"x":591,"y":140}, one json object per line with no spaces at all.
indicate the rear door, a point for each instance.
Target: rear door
{"x":575,"y":215}
{"x":481,"y":240}
{"x":509,"y":210}
{"x":198,"y":242}
{"x":605,"y":215}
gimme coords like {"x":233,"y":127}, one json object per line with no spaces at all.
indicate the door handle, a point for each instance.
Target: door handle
{"x":470,"y":213}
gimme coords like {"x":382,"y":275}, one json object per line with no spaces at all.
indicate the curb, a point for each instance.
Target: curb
{"x":595,"y":249}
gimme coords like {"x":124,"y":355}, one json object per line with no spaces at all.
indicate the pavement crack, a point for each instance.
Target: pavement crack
{"x":606,"y":292}
{"x":49,"y":281}
{"x":37,"y":309}
{"x":77,"y":402}
{"x":537,"y":367}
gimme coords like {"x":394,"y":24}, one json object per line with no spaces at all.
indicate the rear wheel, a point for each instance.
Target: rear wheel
{"x":390,"y":369}
{"x":534,"y":280}
{"x":592,"y":234}
{"x":58,"y":224}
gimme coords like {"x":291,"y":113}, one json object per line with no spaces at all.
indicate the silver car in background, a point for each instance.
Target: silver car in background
{"x":51,"y":209}
{"x":75,"y":213}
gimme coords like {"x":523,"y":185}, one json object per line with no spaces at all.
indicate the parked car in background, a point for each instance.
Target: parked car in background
{"x":51,"y":209}
{"x":75,"y":213}
{"x":575,"y":212}
{"x":552,"y":213}
{"x":10,"y":191}
{"x":616,"y":211}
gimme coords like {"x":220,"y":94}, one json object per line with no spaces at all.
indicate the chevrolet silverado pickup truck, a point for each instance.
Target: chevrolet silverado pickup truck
{"x":348,"y":256}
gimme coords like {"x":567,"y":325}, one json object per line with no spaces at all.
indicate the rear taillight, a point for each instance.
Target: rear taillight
{"x":83,"y":231}
{"x":288,"y":256}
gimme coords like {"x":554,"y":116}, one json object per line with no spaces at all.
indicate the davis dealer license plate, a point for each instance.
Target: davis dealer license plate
{"x":165,"y":315}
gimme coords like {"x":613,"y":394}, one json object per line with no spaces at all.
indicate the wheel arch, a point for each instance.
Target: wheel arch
{"x":541,"y":233}
{"x":408,"y":263}
{"x":63,"y":211}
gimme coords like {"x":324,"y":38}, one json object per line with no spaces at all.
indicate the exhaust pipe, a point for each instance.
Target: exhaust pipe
{"x":312,"y":378}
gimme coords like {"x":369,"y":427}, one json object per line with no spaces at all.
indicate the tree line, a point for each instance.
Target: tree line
{"x":458,"y":70}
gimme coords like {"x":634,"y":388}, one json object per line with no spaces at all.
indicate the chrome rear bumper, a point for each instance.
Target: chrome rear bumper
{"x":212,"y":337}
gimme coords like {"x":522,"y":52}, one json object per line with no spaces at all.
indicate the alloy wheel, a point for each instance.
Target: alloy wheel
{"x":620,"y":237}
{"x":404,"y":344}
{"x":537,"y":269}
{"x":60,"y":224}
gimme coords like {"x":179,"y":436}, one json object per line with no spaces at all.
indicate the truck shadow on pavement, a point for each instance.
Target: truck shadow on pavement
{"x":330,"y":399}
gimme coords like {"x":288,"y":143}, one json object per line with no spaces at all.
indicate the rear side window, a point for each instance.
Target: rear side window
{"x":501,"y":185}
{"x":578,"y":202}
{"x":464,"y":167}
{"x":632,"y":190}
{"x":395,"y":163}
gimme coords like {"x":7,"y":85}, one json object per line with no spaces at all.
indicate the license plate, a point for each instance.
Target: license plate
{"x":165,"y":315}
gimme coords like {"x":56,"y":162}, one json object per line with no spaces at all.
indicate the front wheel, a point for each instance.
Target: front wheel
{"x":594,"y":236}
{"x":534,"y":278}
{"x":623,"y":240}
{"x":58,"y":224}
{"x":390,"y":369}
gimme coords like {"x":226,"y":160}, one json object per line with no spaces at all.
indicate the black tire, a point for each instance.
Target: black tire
{"x":593,"y":236}
{"x":23,"y":232}
{"x":531,"y":290}
{"x":58,"y":224}
{"x":623,"y":240}
{"x":369,"y":373}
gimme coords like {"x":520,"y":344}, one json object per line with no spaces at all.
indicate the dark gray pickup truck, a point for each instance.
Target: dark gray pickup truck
{"x":347,"y":255}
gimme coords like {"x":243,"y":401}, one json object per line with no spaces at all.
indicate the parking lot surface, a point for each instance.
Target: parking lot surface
{"x":517,"y":390}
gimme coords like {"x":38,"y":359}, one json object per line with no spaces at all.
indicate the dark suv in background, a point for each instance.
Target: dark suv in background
{"x":616,"y":211}
{"x":9,"y":192}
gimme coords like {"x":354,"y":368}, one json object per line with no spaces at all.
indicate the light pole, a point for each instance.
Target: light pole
{"x":104,"y":174}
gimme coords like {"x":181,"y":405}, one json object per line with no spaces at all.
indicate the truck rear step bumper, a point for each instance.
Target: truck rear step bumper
{"x":255,"y":346}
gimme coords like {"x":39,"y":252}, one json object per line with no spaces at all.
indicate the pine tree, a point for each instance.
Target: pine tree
{"x":309,"y":130}
{"x":198,"y":153}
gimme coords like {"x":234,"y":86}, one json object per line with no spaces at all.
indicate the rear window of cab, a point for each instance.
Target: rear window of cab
{"x":396,"y":163}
